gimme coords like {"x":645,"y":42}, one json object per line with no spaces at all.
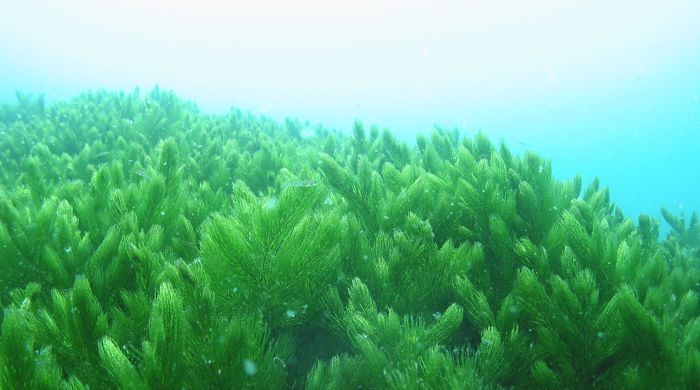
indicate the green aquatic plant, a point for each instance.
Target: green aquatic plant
{"x":145,"y":245}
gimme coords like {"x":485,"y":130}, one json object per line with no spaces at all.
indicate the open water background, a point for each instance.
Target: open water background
{"x":602,"y":88}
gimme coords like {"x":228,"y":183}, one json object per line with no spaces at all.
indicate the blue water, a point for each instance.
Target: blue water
{"x":607,"y":89}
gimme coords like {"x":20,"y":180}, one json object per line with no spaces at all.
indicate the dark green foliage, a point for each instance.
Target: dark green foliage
{"x":144,"y":245}
{"x":389,"y":348}
{"x":23,"y":362}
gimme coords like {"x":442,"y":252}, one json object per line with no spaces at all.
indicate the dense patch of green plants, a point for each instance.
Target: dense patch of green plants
{"x":145,"y":245}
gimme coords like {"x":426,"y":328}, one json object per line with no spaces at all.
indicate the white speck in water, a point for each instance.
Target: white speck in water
{"x":307,"y":133}
{"x":271,"y":203}
{"x":437,"y":315}
{"x":162,"y":213}
{"x":291,"y":314}
{"x":67,"y":249}
{"x":365,"y":257}
{"x":601,"y":334}
{"x":249,"y":367}
{"x":328,"y":201}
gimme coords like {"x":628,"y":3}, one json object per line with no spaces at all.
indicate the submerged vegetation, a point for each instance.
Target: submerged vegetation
{"x":145,"y":245}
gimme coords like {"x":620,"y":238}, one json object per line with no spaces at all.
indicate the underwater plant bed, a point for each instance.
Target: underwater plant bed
{"x":146,"y":245}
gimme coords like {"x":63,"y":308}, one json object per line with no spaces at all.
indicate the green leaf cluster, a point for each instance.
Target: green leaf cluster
{"x":146,"y":245}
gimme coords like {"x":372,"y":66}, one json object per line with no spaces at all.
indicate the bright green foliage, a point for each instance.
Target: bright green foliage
{"x":274,"y":257}
{"x":72,"y":325}
{"x":144,"y":245}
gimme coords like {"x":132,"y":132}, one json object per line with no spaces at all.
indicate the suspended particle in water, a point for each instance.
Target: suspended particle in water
{"x":291,"y":313}
{"x":307,"y":133}
{"x":299,"y":184}
{"x":276,"y":360}
{"x":249,"y":367}
{"x":271,"y":203}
